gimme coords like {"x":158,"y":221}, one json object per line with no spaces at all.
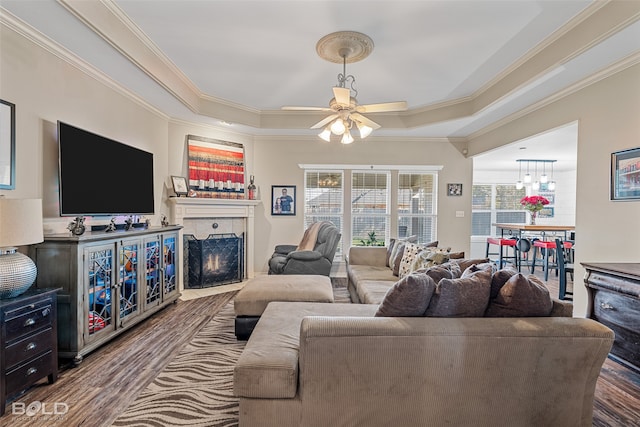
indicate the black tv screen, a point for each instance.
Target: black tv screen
{"x":100,"y":176}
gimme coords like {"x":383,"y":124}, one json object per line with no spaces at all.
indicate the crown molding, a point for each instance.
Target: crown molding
{"x":20,"y":27}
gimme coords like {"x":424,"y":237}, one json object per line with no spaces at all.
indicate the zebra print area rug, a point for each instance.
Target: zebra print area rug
{"x":196,"y":388}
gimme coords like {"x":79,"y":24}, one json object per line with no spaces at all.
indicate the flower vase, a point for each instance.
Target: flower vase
{"x":532,"y":217}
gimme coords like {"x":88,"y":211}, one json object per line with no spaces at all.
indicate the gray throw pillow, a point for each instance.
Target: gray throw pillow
{"x":463,"y":297}
{"x":408,"y":297}
{"x":521,"y":297}
{"x":499,"y":278}
{"x":392,"y":242}
{"x":437,"y":273}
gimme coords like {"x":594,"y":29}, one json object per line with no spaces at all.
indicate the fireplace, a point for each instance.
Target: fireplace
{"x":216,"y":260}
{"x":199,"y":215}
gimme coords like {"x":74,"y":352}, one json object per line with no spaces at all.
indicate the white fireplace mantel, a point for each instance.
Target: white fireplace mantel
{"x":185,"y":208}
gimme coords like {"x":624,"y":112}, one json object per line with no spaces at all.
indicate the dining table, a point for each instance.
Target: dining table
{"x":517,"y":230}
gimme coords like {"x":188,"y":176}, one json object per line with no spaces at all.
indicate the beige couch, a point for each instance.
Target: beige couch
{"x":315,"y":364}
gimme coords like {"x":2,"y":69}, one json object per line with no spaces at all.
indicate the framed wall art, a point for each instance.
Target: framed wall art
{"x":283,"y":200}
{"x":7,"y":145}
{"x":454,"y":189}
{"x":625,"y":175}
{"x":216,"y":168}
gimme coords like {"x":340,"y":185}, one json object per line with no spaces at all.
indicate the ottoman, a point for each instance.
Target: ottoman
{"x":254,"y":297}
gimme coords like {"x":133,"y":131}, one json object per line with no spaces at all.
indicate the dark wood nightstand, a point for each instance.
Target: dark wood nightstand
{"x":28,"y":341}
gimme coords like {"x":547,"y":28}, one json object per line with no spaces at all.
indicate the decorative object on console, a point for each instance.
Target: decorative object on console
{"x":533,"y":204}
{"x":347,"y":47}
{"x":251,"y":188}
{"x":112,"y":226}
{"x":216,"y":168}
{"x":283,"y":200}
{"x":7,"y":145}
{"x":180,"y":186}
{"x":20,"y":224}
{"x":625,"y":175}
{"x":77,"y":226}
{"x":164,"y":221}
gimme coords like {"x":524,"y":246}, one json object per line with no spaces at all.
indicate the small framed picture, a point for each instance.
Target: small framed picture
{"x":454,"y":189}
{"x":283,"y":200}
{"x":180,"y":186}
{"x":625,"y":175}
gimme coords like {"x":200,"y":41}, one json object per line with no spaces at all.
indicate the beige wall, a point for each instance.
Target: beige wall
{"x":608,"y":113}
{"x":46,"y":88}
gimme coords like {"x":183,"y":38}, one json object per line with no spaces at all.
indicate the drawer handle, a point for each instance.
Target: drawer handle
{"x":46,"y":312}
{"x":30,"y":321}
{"x":31,"y":371}
{"x":606,"y":306}
{"x":31,"y":346}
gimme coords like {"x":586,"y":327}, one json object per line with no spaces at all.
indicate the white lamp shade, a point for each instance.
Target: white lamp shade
{"x":365,"y":130}
{"x":527,"y":178}
{"x":20,"y":222}
{"x":519,"y":185}
{"x":347,"y":138}
{"x":536,"y":185}
{"x":325,"y":134}
{"x":338,"y":127}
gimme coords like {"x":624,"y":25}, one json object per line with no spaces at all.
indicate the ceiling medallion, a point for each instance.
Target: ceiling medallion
{"x":350,"y":45}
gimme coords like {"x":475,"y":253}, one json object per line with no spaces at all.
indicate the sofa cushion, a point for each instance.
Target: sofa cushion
{"x":463,"y":297}
{"x":268,"y":365}
{"x":392,"y":242}
{"x":373,"y":291}
{"x":408,"y":297}
{"x":486,"y":266}
{"x":358,"y":273}
{"x":521,"y":297}
{"x":397,"y":259}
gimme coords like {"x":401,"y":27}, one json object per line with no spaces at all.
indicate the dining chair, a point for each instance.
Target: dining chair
{"x":565,"y":267}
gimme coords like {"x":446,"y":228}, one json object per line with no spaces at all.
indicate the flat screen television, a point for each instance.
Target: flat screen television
{"x":100,"y":176}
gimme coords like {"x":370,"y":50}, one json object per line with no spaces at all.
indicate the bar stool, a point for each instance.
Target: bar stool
{"x":549,"y":248}
{"x":503,"y":246}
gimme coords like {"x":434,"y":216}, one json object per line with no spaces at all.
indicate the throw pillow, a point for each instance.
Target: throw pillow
{"x":453,"y":267}
{"x":411,"y":251}
{"x":463,"y":297}
{"x":479,"y":267}
{"x":437,"y":273}
{"x":408,"y":297}
{"x":466,"y":263}
{"x":429,"y":257}
{"x":390,"y":250}
{"x":499,"y":278}
{"x":521,"y":297}
{"x":397,"y":258}
{"x":395,"y":248}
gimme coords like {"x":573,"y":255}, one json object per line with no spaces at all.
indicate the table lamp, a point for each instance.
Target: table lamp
{"x":20,"y":224}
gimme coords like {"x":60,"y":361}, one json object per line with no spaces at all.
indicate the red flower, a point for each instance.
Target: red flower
{"x":534,"y":203}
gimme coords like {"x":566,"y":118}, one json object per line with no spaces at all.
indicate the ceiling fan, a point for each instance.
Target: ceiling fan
{"x":346,"y":47}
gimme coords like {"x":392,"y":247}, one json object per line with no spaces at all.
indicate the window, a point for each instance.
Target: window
{"x":370,"y":205}
{"x":369,"y":208}
{"x":493,"y":203}
{"x":417,"y":206}
{"x":323,"y":198}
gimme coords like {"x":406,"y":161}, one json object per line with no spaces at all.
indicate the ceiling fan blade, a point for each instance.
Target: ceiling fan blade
{"x":362,"y":119}
{"x":384,"y":107}
{"x":294,"y":108}
{"x":325,"y":121}
{"x":342,"y":96}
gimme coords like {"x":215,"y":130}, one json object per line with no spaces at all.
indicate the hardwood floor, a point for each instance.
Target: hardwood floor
{"x":110,"y":378}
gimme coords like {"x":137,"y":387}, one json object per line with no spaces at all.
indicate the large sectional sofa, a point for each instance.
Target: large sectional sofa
{"x":340,"y":364}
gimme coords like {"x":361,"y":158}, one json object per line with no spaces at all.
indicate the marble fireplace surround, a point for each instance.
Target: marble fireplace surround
{"x":197,"y":214}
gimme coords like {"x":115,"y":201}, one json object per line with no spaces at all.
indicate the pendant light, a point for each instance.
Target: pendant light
{"x":536,"y":184}
{"x":519,"y":183}
{"x":527,"y":177}
{"x":544,"y":178}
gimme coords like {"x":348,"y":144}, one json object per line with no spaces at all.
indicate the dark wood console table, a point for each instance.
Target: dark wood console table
{"x":614,"y":300}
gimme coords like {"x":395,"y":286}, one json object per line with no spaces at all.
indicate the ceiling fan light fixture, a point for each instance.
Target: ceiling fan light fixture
{"x":365,"y":130}
{"x":347,"y":138}
{"x":338,"y":127}
{"x":326,"y":134}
